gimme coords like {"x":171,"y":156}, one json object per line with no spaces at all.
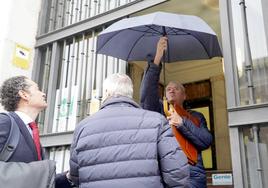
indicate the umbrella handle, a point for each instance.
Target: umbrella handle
{"x":164,"y":34}
{"x":164,"y":31}
{"x":167,"y":107}
{"x":164,"y":69}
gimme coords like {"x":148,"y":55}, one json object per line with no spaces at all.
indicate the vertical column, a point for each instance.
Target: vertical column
{"x":67,"y":12}
{"x":63,"y":72}
{"x":52,"y":15}
{"x":43,"y":18}
{"x":44,"y":83}
{"x":90,"y":74}
{"x":60,"y":14}
{"x":52,"y":84}
{"x":72,"y":10}
{"x":237,"y":163}
{"x":81,"y":80}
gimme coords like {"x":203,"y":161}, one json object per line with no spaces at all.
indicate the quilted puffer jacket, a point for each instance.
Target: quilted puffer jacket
{"x":123,"y":146}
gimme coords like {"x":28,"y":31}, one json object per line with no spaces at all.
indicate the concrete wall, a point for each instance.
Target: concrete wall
{"x":18,"y":22}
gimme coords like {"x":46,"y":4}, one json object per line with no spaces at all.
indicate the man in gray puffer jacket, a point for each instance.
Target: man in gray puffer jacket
{"x":123,"y":145}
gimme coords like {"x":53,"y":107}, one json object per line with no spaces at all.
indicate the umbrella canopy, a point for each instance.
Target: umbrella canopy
{"x":134,"y":39}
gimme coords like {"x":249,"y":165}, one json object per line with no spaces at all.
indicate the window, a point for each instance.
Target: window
{"x":255,"y":140}
{"x":61,"y":156}
{"x":258,"y":46}
{"x":62,"y":13}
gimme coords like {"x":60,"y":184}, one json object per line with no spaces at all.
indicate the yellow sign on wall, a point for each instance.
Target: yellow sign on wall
{"x":21,"y":57}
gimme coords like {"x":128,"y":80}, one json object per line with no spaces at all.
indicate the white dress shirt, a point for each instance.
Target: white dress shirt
{"x":26,"y":120}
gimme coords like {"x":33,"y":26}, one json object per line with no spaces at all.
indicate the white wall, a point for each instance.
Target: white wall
{"x":18,"y":23}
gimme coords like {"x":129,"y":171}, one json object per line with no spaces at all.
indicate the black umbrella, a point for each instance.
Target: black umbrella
{"x":133,"y":39}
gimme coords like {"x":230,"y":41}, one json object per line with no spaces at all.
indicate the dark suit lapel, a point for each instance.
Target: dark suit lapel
{"x":25,"y":133}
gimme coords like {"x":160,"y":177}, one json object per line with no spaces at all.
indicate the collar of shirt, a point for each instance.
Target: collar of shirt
{"x":26,"y":120}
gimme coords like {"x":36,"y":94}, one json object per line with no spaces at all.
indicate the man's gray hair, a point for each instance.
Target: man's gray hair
{"x":178,"y":85}
{"x":117,"y":85}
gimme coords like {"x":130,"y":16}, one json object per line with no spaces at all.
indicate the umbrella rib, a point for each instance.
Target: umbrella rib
{"x":140,"y":38}
{"x":145,"y":31}
{"x":177,"y":30}
{"x":200,"y":43}
{"x":153,"y":29}
{"x":188,"y":33}
{"x":134,"y":45}
{"x":137,"y":41}
{"x":110,"y":39}
{"x":148,"y":26}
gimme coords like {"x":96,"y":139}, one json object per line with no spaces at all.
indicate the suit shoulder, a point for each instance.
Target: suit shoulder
{"x":5,"y":125}
{"x":4,"y":121}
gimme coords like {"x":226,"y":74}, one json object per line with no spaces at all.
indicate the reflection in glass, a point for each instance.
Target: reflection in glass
{"x":256,"y":151}
{"x":258,"y":46}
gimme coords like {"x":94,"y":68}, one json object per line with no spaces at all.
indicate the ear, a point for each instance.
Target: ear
{"x":24,"y":95}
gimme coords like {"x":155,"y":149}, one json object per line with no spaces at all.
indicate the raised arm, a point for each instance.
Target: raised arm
{"x":149,"y":96}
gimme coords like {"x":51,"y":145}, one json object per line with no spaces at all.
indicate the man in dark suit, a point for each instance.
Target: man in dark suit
{"x":22,"y":98}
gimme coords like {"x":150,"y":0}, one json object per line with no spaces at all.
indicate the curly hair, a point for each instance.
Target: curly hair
{"x":9,"y":92}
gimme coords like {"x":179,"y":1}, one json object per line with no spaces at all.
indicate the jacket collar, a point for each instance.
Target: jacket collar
{"x":25,"y":133}
{"x":119,"y":100}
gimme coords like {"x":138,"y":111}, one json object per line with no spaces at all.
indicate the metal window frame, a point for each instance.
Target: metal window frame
{"x":57,"y":139}
{"x":232,"y":89}
{"x":42,"y":17}
{"x":51,"y":95}
{"x":250,"y":114}
{"x":236,"y":154}
{"x":265,"y":17}
{"x":239,"y":116}
{"x":93,"y":22}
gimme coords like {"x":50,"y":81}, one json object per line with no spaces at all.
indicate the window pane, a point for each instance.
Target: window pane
{"x":256,"y":154}
{"x":61,"y":156}
{"x":258,"y":46}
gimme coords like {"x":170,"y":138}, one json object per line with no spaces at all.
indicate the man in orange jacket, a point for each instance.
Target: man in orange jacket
{"x":190,"y":124}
